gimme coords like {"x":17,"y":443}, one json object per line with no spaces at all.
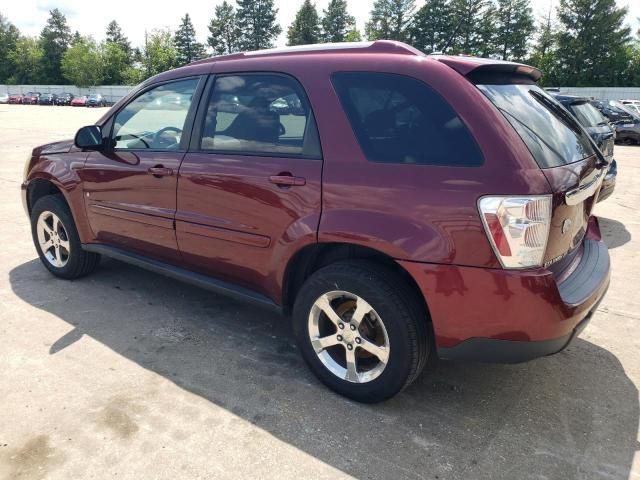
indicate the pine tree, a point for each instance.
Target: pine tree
{"x":257,"y":23}
{"x":432,"y":26}
{"x":389,"y":19}
{"x":114,"y":35}
{"x":514,"y":28}
{"x":544,"y":50}
{"x":187,"y":47}
{"x":54,"y":41}
{"x":305,"y":28}
{"x":9,"y":36}
{"x":336,"y":22}
{"x":592,"y":42}
{"x":474,"y":27}
{"x":224,"y":35}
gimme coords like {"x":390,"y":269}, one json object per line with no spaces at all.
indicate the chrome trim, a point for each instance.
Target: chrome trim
{"x":581,"y":193}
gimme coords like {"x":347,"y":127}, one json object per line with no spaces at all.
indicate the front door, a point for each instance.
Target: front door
{"x":130,"y":189}
{"x":249,"y":188}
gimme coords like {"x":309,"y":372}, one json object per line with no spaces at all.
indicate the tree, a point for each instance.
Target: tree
{"x":82,"y":64}
{"x":544,"y":50}
{"x":336,"y":22}
{"x":9,"y":36}
{"x":114,"y":35}
{"x":115,"y":62}
{"x":514,"y":27}
{"x":432,"y":26}
{"x":159,"y":52}
{"x":187,"y":47}
{"x":592,"y":42}
{"x":257,"y":22}
{"x":389,"y":19}
{"x":54,"y":41}
{"x":353,"y":35}
{"x":305,"y":28}
{"x":26,"y":61}
{"x":224,"y":35}
{"x":474,"y":27}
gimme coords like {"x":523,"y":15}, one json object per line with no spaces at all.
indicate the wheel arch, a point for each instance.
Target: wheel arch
{"x":311,"y":258}
{"x":41,"y":187}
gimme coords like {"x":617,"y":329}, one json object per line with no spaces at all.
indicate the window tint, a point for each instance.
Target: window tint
{"x":155,"y":119}
{"x":259,"y":114}
{"x":399,"y":119}
{"x":551,"y":134}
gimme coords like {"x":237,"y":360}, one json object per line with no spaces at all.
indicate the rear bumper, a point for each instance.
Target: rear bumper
{"x":504,"y":316}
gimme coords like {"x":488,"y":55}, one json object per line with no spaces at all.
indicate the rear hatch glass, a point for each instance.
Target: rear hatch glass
{"x":552,"y":139}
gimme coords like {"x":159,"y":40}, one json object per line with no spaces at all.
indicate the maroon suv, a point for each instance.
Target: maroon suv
{"x":397,"y":205}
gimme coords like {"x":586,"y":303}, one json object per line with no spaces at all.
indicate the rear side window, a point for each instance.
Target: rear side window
{"x":552,"y":135}
{"x":260,"y":114}
{"x":399,"y":119}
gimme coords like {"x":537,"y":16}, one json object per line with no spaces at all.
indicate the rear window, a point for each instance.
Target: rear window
{"x":399,"y":119}
{"x":549,"y":131}
{"x":587,"y":114}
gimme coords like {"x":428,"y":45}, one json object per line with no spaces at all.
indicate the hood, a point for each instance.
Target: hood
{"x":63,"y":146}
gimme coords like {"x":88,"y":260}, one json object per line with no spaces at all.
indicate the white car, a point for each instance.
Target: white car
{"x":4,"y":98}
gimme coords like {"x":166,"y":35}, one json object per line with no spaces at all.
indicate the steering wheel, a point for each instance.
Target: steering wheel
{"x":137,"y":137}
{"x":157,"y":138}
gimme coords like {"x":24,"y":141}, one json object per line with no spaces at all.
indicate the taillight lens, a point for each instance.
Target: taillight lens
{"x":518,"y":228}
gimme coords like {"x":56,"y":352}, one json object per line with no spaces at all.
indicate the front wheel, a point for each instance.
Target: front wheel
{"x":361,"y":330}
{"x":56,"y":239}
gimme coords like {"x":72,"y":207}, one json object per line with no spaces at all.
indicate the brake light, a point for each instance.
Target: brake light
{"x":518,"y":228}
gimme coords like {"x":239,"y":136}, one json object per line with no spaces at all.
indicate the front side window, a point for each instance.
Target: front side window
{"x":399,"y":119}
{"x":264,"y":114}
{"x":155,"y":120}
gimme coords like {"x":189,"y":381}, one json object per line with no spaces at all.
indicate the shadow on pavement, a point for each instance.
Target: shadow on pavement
{"x":614,"y":233}
{"x":574,"y":415}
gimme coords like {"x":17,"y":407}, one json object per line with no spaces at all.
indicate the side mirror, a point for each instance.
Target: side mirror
{"x":89,"y":138}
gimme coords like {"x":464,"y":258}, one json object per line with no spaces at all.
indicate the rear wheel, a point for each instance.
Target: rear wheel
{"x":56,"y":239}
{"x":361,"y":330}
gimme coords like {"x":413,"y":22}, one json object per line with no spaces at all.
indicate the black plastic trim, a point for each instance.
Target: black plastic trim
{"x":187,"y":276}
{"x":588,"y":275}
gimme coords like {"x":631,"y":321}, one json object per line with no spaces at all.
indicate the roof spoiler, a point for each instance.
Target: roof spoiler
{"x":479,"y":68}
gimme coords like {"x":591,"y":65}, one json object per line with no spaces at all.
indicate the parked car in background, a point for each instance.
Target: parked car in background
{"x":15,"y":98}
{"x":79,"y":101}
{"x":628,"y":130}
{"x":4,"y":98}
{"x":417,"y":206}
{"x":633,"y":105}
{"x":48,"y":99}
{"x":31,"y":98}
{"x":64,"y":99}
{"x":96,"y":100}
{"x":600,"y":130}
{"x":611,"y":109}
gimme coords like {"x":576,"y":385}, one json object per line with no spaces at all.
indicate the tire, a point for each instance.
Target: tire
{"x":398,"y":330}
{"x":64,"y":256}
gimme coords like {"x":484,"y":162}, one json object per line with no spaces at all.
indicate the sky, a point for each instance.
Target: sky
{"x":134,"y":16}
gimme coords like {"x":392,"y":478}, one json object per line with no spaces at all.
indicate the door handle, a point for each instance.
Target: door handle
{"x":287,"y":180}
{"x":160,"y":171}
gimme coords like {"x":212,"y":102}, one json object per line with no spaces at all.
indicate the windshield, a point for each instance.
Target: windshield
{"x":552,"y":135}
{"x":587,"y":114}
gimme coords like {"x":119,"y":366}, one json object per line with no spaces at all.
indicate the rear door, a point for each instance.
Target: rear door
{"x":565,"y":153}
{"x":249,"y":187}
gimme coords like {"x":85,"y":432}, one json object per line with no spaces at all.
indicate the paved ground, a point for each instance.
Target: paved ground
{"x":127,"y":374}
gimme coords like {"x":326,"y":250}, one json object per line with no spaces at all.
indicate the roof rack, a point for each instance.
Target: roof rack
{"x":377,"y":46}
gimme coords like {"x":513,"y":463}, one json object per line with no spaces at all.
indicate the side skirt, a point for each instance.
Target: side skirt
{"x":187,"y":276}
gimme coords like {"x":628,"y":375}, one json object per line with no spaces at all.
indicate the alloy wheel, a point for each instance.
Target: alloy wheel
{"x":53,"y":239}
{"x":348,"y":336}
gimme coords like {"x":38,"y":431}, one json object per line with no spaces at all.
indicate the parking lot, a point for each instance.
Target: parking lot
{"x":127,"y":374}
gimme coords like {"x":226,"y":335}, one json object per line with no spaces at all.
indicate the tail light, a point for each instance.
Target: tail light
{"x":518,"y":228}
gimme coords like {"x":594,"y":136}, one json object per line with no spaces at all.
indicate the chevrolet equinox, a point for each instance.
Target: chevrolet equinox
{"x":397,"y":206}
